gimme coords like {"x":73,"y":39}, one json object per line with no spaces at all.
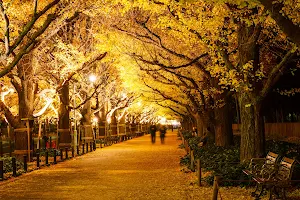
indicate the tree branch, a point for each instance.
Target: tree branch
{"x":275,"y":74}
{"x":286,"y":25}
{"x":6,"y":34}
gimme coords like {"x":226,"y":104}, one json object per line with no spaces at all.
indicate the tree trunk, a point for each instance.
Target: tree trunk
{"x":102,"y":122}
{"x":252,"y":133}
{"x":113,"y":124}
{"x":86,"y":113}
{"x":63,"y":115}
{"x":199,"y":125}
{"x":223,"y":125}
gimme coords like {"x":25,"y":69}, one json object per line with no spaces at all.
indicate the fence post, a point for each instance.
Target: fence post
{"x":25,"y":162}
{"x":199,"y":172}
{"x":61,"y":154}
{"x":77,"y":148}
{"x":14,"y":165}
{"x":73,"y":152}
{"x":192,"y":161}
{"x":10,"y":147}
{"x":66,"y":149}
{"x":54,"y":156}
{"x":50,"y":142}
{"x":38,"y":160}
{"x":1,"y":170}
{"x":1,"y":147}
{"x":47,"y":157}
{"x":216,"y":188}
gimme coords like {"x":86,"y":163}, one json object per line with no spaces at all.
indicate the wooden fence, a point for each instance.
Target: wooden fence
{"x":278,"y":130}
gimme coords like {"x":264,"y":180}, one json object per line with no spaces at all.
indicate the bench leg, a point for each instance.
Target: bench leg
{"x":271,"y":189}
{"x":253,"y":194}
{"x":262,"y":188}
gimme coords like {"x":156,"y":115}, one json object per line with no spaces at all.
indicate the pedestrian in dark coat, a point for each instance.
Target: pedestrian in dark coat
{"x":152,"y":131}
{"x":162,"y":130}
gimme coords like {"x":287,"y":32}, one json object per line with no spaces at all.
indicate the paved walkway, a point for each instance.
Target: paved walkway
{"x":134,"y":169}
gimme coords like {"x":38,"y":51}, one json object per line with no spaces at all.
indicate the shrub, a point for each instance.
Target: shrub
{"x":7,"y":164}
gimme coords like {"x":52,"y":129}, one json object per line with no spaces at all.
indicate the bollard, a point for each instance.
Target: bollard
{"x":37,"y":160}
{"x":94,"y":146}
{"x":14,"y":165}
{"x":25,"y":162}
{"x":216,"y":188}
{"x":61,"y":154}
{"x":87,"y":147}
{"x":77,"y":150}
{"x":199,"y":172}
{"x":1,"y":170}
{"x":54,"y":156}
{"x":47,"y":157}
{"x":66,"y":149}
{"x":10,"y":148}
{"x":50,"y":142}
{"x":192,"y":161}
{"x":91,"y":147}
{"x":82,"y":148}
{"x":32,"y":145}
{"x":73,"y":153}
{"x":1,"y":148}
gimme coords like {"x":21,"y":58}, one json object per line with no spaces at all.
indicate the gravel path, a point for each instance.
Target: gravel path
{"x":134,"y":169}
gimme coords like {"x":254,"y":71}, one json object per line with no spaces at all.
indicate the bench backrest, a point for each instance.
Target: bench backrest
{"x":272,"y":158}
{"x":285,"y":169}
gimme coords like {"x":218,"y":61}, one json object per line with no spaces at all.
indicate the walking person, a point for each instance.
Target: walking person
{"x":152,"y":131}
{"x":162,"y":130}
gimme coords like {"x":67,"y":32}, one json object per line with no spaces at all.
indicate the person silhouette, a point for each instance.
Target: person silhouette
{"x":162,"y":130}
{"x":152,"y":130}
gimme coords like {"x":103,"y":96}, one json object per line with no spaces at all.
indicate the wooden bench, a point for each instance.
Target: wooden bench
{"x":258,"y":164}
{"x":275,"y":179}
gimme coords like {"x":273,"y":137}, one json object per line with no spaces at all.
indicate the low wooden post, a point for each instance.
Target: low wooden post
{"x":61,"y":154}
{"x":14,"y":165}
{"x":216,"y":188}
{"x":1,"y":170}
{"x":10,"y":148}
{"x":192,"y":161}
{"x":54,"y":156}
{"x":47,"y":157}
{"x":25,"y":162}
{"x":73,"y":154}
{"x":50,"y":142}
{"x":82,"y":148}
{"x":66,"y":149}
{"x":199,"y":172}
{"x":87,"y":147}
{"x":37,"y":160}
{"x":1,"y":147}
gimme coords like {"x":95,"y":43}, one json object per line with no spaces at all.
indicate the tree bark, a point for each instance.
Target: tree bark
{"x":86,"y":113}
{"x":63,"y":115}
{"x":223,"y":125}
{"x":252,"y":133}
{"x":252,"y":130}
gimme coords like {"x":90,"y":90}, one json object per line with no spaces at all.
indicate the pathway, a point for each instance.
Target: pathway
{"x":134,"y":169}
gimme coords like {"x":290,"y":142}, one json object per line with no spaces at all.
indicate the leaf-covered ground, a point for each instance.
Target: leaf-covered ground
{"x":135,"y":169}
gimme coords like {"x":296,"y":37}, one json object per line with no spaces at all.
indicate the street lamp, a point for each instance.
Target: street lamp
{"x":92,"y":78}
